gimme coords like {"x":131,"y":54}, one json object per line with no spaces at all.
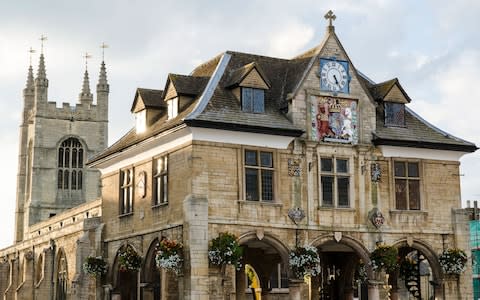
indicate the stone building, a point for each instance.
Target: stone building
{"x":281,"y":153}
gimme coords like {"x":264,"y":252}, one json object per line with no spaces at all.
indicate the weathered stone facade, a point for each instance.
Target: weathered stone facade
{"x":217,"y":164}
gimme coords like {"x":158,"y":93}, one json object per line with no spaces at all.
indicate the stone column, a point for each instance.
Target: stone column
{"x":295,"y":286}
{"x":451,"y":287}
{"x":240,"y":285}
{"x":195,"y":228}
{"x":373,"y":292}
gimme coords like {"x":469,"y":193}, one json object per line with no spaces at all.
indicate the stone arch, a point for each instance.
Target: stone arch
{"x":151,"y":276}
{"x":61,"y":275}
{"x":124,"y":283}
{"x":428,"y":252}
{"x":39,"y":268}
{"x":273,"y":241}
{"x":356,"y":245}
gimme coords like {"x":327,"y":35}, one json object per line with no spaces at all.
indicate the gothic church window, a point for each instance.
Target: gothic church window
{"x":259,"y":173}
{"x":62,"y":277}
{"x":160,"y":181}
{"x":70,"y":165}
{"x":126,"y":191}
{"x":407,"y":185}
{"x":335,"y":182}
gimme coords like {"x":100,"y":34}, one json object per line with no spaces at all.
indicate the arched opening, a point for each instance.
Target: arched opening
{"x":267,"y":260}
{"x":39,"y":269}
{"x":419,"y":275}
{"x":125,"y":281}
{"x":151,"y":275}
{"x":344,"y":269}
{"x":61,"y":276}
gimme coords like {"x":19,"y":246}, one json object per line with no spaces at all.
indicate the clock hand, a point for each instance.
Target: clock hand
{"x":335,"y":77}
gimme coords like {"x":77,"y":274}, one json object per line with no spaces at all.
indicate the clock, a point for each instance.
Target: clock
{"x":334,"y":75}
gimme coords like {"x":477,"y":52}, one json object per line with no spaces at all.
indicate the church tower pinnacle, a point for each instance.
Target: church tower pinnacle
{"x":41,"y":82}
{"x":86,"y":96}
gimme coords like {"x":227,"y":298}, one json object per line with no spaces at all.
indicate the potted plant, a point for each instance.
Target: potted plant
{"x":384,"y":258}
{"x":225,"y":250}
{"x":169,"y":255}
{"x":453,"y":261}
{"x":305,"y":261}
{"x":129,"y":260}
{"x":95,"y":266}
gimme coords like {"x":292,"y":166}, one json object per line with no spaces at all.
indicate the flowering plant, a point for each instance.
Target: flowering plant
{"x":385,"y":258}
{"x":95,"y":266}
{"x":129,"y":260}
{"x":408,"y":267}
{"x":305,"y":261}
{"x":225,"y":249}
{"x":453,"y":261}
{"x":169,"y":255}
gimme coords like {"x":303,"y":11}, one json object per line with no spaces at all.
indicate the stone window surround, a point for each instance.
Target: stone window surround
{"x":422,"y":206}
{"x":349,"y":174}
{"x":159,"y":175}
{"x":126,"y":187}
{"x":242,"y":183}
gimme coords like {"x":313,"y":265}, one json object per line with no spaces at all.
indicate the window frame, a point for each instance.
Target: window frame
{"x":126,"y":205}
{"x":70,"y":164}
{"x":254,"y":101}
{"x":161,"y":175}
{"x":259,"y":169}
{"x":335,"y":175}
{"x":407,"y":180}
{"x":387,"y":120}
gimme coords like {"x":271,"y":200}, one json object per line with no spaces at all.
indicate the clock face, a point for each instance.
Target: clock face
{"x":334,"y":75}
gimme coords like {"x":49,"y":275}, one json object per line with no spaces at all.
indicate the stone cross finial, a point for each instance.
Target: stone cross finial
{"x":330,"y":17}
{"x":103,"y":46}
{"x":43,"y":38}
{"x":31,"y":51}
{"x":86,"y":56}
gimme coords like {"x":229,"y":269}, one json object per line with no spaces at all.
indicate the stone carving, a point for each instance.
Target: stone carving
{"x":376,"y":172}
{"x":376,"y":217}
{"x":296,"y":214}
{"x":294,"y":168}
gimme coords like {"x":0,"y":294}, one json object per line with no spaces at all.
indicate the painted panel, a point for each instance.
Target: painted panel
{"x":334,"y":119}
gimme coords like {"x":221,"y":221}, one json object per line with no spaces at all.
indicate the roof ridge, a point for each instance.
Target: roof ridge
{"x":256,"y":55}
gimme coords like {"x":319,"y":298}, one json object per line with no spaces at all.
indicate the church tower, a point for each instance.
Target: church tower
{"x":55,"y":143}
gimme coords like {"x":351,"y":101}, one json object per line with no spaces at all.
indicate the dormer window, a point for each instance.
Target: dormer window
{"x":172,"y":108}
{"x":394,"y":114}
{"x":253,"y":100}
{"x":141,"y":121}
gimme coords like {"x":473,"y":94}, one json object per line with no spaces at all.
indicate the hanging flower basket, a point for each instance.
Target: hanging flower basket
{"x":305,"y":261}
{"x":95,"y":266}
{"x":169,"y":255}
{"x":453,"y":261}
{"x":384,"y":258}
{"x":225,"y":250}
{"x":129,"y":260}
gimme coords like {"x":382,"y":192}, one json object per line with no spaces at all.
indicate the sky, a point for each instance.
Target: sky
{"x":433,"y":49}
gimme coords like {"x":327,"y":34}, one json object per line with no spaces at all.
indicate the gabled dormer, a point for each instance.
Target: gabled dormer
{"x":248,"y":84}
{"x":181,"y":91}
{"x":393,"y":98}
{"x":147,"y":108}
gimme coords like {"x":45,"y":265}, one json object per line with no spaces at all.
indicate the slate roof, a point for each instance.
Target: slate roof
{"x":417,"y":133}
{"x":380,"y":90}
{"x":223,"y":110}
{"x":187,"y":85}
{"x":151,"y":98}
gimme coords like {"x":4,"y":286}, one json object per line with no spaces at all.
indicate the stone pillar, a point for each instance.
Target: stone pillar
{"x":14,"y":271}
{"x":373,"y":292}
{"x":315,"y":285}
{"x":451,"y":287}
{"x":295,"y":286}
{"x":195,"y":211}
{"x":240,"y":285}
